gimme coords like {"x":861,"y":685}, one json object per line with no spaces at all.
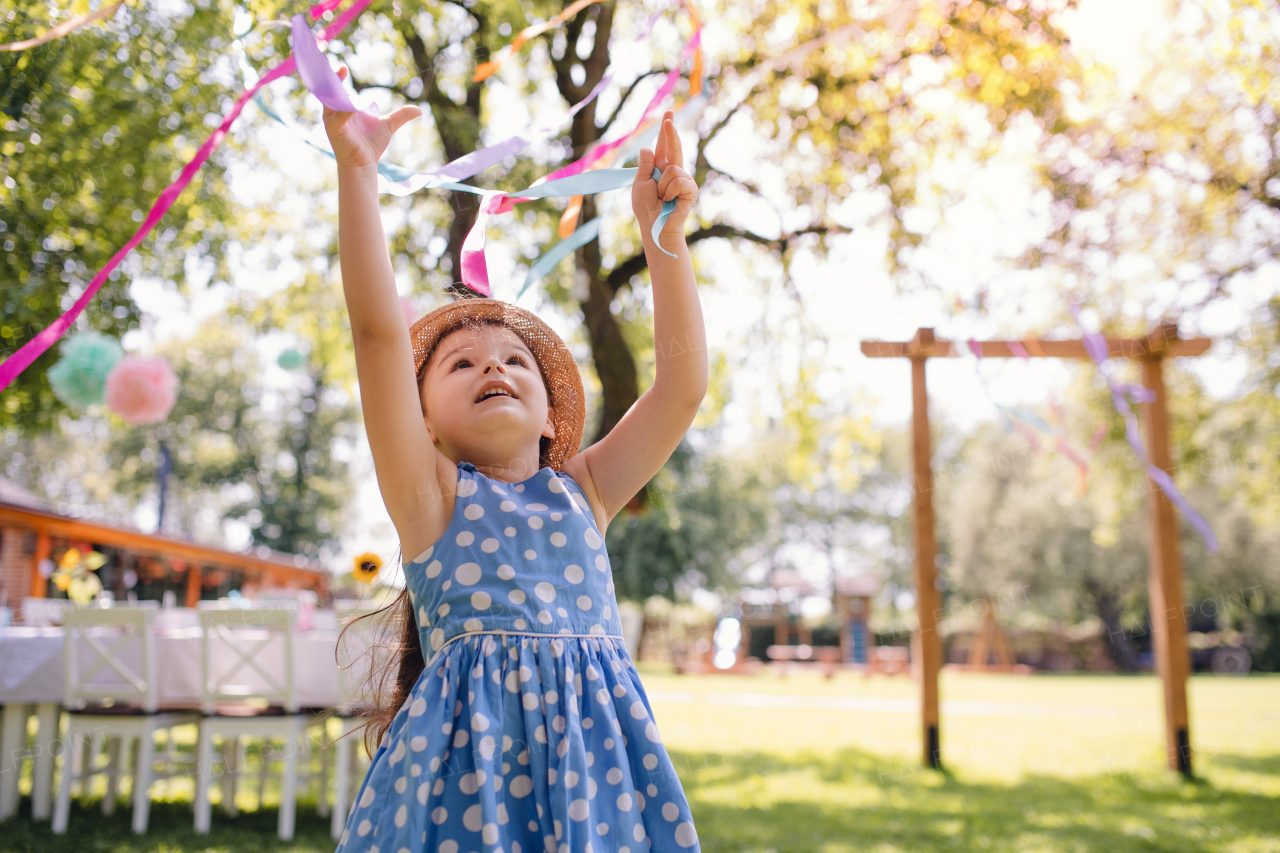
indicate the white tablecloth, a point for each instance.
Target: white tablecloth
{"x":31,"y":666}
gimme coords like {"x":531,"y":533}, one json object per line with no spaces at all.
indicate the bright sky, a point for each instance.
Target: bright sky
{"x":848,"y":298}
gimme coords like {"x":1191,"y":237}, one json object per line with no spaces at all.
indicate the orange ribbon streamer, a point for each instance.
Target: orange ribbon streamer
{"x":569,"y":219}
{"x":485,"y":69}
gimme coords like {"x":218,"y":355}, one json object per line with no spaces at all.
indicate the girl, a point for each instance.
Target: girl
{"x":518,"y":722}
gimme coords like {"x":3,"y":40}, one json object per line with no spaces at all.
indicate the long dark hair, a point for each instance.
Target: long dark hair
{"x":401,"y":653}
{"x":396,"y":652}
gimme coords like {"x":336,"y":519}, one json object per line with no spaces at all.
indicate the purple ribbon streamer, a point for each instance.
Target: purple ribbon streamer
{"x":314,"y":70}
{"x":1121,"y":392}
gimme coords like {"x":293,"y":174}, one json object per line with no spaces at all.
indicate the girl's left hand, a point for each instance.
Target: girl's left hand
{"x":647,"y":195}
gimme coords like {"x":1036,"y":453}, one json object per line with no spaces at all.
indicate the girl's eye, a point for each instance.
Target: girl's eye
{"x":461,"y":363}
{"x":515,"y":359}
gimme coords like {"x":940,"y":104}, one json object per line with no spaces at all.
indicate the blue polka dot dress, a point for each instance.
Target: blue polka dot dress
{"x":528,"y":730}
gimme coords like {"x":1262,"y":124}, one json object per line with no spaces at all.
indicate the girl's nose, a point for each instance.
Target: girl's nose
{"x":495,"y":363}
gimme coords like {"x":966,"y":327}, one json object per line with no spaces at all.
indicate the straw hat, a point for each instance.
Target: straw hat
{"x":559,"y":369}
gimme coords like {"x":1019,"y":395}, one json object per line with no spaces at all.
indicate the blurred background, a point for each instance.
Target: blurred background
{"x":866,"y":169}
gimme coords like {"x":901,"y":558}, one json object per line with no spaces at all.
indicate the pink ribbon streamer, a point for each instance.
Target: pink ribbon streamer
{"x":327,"y":5}
{"x":582,"y":164}
{"x":475,"y":273}
{"x":1024,"y":429}
{"x":35,"y":347}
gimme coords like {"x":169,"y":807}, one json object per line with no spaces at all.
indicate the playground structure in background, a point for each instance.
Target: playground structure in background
{"x":1169,"y":627}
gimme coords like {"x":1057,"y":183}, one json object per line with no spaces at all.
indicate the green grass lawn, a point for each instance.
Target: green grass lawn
{"x":800,"y":763}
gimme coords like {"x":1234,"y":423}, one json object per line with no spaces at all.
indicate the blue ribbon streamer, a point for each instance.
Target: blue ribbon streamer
{"x":600,"y":180}
{"x":584,"y":234}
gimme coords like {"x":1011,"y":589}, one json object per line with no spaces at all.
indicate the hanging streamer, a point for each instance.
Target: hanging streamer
{"x":23,"y":358}
{"x":1122,"y":394}
{"x":35,"y":347}
{"x":1026,"y":422}
{"x":1059,"y":431}
{"x":322,"y":81}
{"x":599,"y":151}
{"x":394,"y":179}
{"x":485,"y":69}
{"x":545,"y":264}
{"x":105,"y":11}
{"x":475,"y":273}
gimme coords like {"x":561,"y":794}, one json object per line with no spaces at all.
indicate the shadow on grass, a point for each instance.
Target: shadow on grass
{"x":852,"y":800}
{"x":838,"y":802}
{"x":169,"y":831}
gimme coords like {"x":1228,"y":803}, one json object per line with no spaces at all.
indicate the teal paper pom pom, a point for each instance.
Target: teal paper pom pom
{"x":291,"y":359}
{"x":79,"y":379}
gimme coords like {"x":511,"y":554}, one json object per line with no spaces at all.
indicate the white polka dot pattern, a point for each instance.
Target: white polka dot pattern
{"x":515,"y":614}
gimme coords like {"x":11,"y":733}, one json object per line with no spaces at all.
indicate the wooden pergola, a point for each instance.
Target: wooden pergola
{"x":1168,"y":622}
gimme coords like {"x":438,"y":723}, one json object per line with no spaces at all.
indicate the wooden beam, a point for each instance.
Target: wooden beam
{"x":1165,"y":580}
{"x":1037,"y":348}
{"x":927,"y":642}
{"x":312,"y":575}
{"x":1169,"y":625}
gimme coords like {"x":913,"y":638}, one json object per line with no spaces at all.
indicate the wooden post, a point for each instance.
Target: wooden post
{"x":927,"y":641}
{"x":1168,"y":622}
{"x":39,"y":583}
{"x":193,"y":584}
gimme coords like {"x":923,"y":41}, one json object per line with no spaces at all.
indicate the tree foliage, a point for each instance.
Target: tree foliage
{"x":93,"y":126}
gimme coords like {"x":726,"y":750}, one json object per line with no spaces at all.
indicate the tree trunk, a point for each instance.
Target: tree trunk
{"x":1107,"y":605}
{"x":613,"y":360}
{"x":459,"y":127}
{"x":614,"y":363}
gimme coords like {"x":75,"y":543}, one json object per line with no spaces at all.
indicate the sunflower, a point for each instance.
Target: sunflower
{"x":367,"y":567}
{"x":75,"y":577}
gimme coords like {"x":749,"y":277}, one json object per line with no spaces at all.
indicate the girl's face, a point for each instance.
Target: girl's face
{"x":484,"y":399}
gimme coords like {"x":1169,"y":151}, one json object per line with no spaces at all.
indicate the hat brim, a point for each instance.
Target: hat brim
{"x":559,"y":368}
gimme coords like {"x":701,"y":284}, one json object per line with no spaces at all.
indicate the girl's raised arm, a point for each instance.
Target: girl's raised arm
{"x":614,"y":469}
{"x":411,"y":471}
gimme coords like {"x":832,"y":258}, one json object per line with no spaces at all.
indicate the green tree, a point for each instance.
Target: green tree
{"x":93,"y":126}
{"x":1166,"y":188}
{"x":240,"y":450}
{"x":861,"y":115}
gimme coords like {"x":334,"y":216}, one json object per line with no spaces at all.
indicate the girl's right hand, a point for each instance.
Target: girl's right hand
{"x":358,"y":139}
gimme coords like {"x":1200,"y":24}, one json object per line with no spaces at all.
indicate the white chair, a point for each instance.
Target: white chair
{"x":109,"y":666}
{"x":249,"y":688}
{"x":353,"y":664}
{"x":44,"y":612}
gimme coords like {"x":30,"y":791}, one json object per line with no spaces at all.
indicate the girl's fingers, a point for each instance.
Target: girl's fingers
{"x":676,"y":183}
{"x":644,"y":170}
{"x":662,"y":146}
{"x":398,"y":118}
{"x":674,"y":152}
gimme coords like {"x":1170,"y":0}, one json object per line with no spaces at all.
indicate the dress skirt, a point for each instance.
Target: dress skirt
{"x":523,"y":743}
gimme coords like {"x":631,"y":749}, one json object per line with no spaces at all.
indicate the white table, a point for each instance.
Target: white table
{"x":31,"y":677}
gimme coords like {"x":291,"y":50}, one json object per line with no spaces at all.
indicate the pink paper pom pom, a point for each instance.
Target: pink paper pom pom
{"x":142,"y":390}
{"x":410,"y":313}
